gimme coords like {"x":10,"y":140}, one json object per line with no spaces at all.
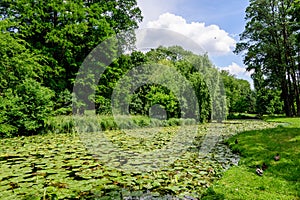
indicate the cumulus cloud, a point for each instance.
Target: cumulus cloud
{"x":211,"y":38}
{"x":237,"y":70}
{"x":149,"y":38}
{"x":151,"y":9}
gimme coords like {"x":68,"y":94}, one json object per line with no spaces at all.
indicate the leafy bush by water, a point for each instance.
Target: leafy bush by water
{"x":25,"y":109}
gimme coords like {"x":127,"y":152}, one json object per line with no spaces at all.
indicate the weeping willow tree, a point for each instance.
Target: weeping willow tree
{"x":165,"y":72}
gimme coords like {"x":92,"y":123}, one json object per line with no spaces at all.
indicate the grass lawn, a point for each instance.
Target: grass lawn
{"x":281,"y":180}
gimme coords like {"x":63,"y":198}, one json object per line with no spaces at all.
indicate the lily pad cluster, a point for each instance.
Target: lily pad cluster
{"x":59,"y":166}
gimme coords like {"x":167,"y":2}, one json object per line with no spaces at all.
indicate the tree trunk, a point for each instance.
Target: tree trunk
{"x":285,"y":97}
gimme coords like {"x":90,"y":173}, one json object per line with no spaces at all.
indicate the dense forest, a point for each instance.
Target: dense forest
{"x":44,"y":43}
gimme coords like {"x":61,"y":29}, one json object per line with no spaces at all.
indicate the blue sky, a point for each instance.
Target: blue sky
{"x":213,"y":24}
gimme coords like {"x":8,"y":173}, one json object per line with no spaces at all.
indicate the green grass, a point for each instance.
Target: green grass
{"x":281,"y":180}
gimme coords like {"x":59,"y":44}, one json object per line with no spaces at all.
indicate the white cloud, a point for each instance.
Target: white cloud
{"x":151,"y":9}
{"x":211,"y":38}
{"x":149,"y":38}
{"x":237,"y":70}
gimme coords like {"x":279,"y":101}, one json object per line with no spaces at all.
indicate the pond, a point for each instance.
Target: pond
{"x":59,"y":166}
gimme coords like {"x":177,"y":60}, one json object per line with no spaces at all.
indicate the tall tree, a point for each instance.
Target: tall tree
{"x":268,"y":43}
{"x":66,"y":31}
{"x":25,"y":103}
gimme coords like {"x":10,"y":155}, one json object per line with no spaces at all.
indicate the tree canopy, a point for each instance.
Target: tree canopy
{"x":44,"y":44}
{"x":66,"y":31}
{"x":270,"y":44}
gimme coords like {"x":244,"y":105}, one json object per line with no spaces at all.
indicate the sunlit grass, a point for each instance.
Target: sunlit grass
{"x":281,"y":180}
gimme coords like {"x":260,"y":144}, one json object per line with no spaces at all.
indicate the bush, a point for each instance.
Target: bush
{"x":212,"y":195}
{"x":241,"y":116}
{"x":156,"y":122}
{"x":189,"y":122}
{"x":25,"y":109}
{"x":5,"y":128}
{"x":63,"y":103}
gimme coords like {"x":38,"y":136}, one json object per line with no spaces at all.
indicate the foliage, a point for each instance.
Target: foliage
{"x":143,"y":98}
{"x":242,"y":116}
{"x":111,"y":76}
{"x":203,"y":97}
{"x":44,"y":43}
{"x":198,"y":70}
{"x":66,"y":31}
{"x":239,"y":96}
{"x":212,"y":101}
{"x":67,"y":124}
{"x":17,"y":63}
{"x":48,"y":41}
{"x":63,"y":104}
{"x":148,"y":96}
{"x":25,"y":102}
{"x":270,"y":44}
{"x":25,"y":110}
{"x":268,"y":101}
{"x":50,"y":49}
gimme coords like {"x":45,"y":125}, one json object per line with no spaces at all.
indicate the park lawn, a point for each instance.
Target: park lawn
{"x":281,"y":180}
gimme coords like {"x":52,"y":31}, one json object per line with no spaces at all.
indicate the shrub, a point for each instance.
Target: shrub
{"x":189,"y":122}
{"x":63,"y":103}
{"x":5,"y":128}
{"x":25,"y":109}
{"x":156,"y":122}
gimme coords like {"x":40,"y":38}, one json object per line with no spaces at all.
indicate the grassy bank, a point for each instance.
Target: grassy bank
{"x":281,"y":179}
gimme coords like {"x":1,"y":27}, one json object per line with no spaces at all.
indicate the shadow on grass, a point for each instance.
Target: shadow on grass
{"x":212,"y":195}
{"x":260,"y":146}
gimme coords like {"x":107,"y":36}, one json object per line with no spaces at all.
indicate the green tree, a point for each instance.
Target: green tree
{"x":17,"y":63}
{"x":66,"y":31}
{"x":268,"y":101}
{"x":239,"y":96}
{"x":25,"y":103}
{"x":202,"y":75}
{"x":112,"y":75}
{"x":270,"y":48}
{"x":25,"y":109}
{"x":162,"y":87}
